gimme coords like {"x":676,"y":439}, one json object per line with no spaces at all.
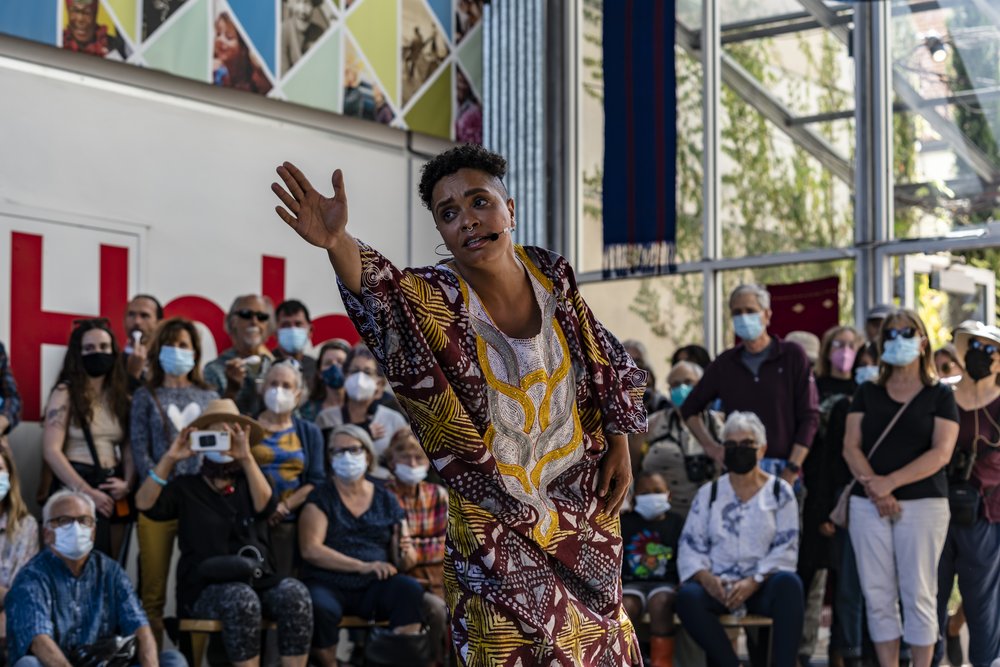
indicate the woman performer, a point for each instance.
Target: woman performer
{"x":522,"y":400}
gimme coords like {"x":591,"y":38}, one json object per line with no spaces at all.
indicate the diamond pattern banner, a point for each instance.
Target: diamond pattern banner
{"x":412,"y":64}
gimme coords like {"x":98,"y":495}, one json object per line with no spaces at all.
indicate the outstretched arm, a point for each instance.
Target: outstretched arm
{"x":322,"y":221}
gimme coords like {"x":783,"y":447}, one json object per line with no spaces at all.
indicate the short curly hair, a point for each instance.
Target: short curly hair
{"x":466,"y":156}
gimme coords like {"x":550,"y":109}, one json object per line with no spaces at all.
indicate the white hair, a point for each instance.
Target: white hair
{"x":745,"y":422}
{"x":759,"y":291}
{"x":59,"y":496}
{"x":290,"y":364}
{"x":697,"y":371}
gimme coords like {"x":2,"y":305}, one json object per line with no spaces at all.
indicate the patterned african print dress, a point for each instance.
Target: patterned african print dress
{"x":516,"y":429}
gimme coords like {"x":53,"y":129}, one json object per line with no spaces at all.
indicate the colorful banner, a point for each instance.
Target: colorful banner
{"x":812,"y":306}
{"x":411,"y":64}
{"x":640,"y":136}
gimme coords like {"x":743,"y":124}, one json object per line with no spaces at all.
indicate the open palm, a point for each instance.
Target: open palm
{"x":319,"y":220}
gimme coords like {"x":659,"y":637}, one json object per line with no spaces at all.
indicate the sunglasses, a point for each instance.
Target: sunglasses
{"x":729,"y":444}
{"x":250,"y":314}
{"x":985,"y":347}
{"x":894,"y":333}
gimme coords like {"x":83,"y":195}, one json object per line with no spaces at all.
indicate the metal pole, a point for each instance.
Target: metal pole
{"x":711,"y":186}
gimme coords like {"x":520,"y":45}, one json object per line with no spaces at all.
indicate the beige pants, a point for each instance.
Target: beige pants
{"x":156,"y":547}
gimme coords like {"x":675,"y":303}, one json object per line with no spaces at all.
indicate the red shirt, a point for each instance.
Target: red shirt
{"x":986,"y":471}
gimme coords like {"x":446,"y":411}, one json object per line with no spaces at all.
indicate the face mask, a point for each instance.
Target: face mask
{"x":176,"y":360}
{"x":652,"y":505}
{"x":679,"y":394}
{"x":901,"y":351}
{"x":842,"y":359}
{"x":293,"y":339}
{"x":98,"y":364}
{"x":280,"y":400}
{"x":4,"y":484}
{"x":978,"y":363}
{"x":410,"y":474}
{"x":73,"y":541}
{"x":333,"y":377}
{"x":740,"y":460}
{"x":748,"y":326}
{"x":349,"y":467}
{"x":864,"y":374}
{"x":219,"y":466}
{"x":360,"y":387}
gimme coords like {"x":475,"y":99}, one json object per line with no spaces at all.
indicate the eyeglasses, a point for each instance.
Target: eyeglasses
{"x":985,"y":347}
{"x":905,"y":332}
{"x":749,"y":442}
{"x":248,"y":314}
{"x":839,"y":343}
{"x":347,"y":450}
{"x":63,"y":521}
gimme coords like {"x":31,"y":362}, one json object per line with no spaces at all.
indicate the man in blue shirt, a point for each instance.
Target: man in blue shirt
{"x":70,"y":596}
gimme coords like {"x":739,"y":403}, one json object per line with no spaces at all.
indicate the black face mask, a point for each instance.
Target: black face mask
{"x":978,"y":363}
{"x":214,"y":471}
{"x":740,"y":460}
{"x":98,"y":364}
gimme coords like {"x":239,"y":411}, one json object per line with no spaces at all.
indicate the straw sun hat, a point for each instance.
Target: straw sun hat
{"x":225,"y":410}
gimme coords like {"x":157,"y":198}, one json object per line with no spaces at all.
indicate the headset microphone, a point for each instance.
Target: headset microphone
{"x":496,"y":235}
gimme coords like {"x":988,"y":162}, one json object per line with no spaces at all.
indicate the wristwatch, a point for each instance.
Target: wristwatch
{"x":759,"y":578}
{"x":794,"y":467}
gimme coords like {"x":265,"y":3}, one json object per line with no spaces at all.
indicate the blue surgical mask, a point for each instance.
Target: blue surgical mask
{"x":748,"y":326}
{"x":864,"y":374}
{"x":901,"y":351}
{"x":176,"y":360}
{"x":4,"y":484}
{"x":293,"y":339}
{"x":349,"y":467}
{"x":219,"y":457}
{"x":74,"y":541}
{"x":333,"y":376}
{"x":679,"y":394}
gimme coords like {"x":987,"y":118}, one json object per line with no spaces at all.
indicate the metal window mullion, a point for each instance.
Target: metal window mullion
{"x":711,"y":64}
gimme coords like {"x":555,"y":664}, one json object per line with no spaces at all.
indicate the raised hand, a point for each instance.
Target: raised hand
{"x":319,"y":220}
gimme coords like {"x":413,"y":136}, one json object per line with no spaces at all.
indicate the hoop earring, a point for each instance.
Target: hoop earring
{"x":437,"y":250}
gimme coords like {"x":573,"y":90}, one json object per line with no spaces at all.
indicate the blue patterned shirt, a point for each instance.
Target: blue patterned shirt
{"x":10,"y":399}
{"x":733,"y":539}
{"x":46,"y":599}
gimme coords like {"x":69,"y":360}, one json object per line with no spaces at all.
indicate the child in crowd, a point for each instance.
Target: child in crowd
{"x":650,"y":533}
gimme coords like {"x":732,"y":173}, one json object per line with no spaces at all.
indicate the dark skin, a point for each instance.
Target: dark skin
{"x":661,"y":605}
{"x":467,"y":206}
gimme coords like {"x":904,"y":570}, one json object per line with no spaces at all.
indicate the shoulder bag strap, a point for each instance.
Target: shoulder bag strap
{"x":163,"y":416}
{"x":888,"y":428}
{"x":85,"y":427}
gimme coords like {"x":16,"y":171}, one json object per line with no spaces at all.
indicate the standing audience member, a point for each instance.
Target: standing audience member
{"x":671,"y":449}
{"x":354,"y":541}
{"x":426,"y":508}
{"x":142,"y":316}
{"x":291,"y":456}
{"x":238,"y":372}
{"x":18,"y":534}
{"x":68,"y":597}
{"x":10,"y":399}
{"x":83,"y":439}
{"x":873,"y":321}
{"x":808,"y":341}
{"x":739,"y":549}
{"x":327,"y":389}
{"x":693,"y":353}
{"x":221,"y":516}
{"x":948,"y":364}
{"x":763,"y":375}
{"x":972,"y":547}
{"x":294,"y":336}
{"x":650,"y":533}
{"x":175,"y":396}
{"x":899,"y":510}
{"x":362,"y":383}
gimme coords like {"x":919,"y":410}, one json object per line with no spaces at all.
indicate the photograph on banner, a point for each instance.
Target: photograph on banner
{"x":88,"y":28}
{"x":233,"y":64}
{"x":423,"y":47}
{"x":468,"y":13}
{"x":469,"y":116}
{"x":363,"y":98}
{"x":156,"y":12}
{"x":303,"y":22}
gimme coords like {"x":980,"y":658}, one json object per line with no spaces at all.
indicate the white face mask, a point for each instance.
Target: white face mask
{"x":349,"y":467}
{"x":74,"y":541}
{"x":652,"y":505}
{"x":4,"y":484}
{"x":280,"y":400}
{"x":218,"y":457}
{"x":360,"y":387}
{"x":410,"y":474}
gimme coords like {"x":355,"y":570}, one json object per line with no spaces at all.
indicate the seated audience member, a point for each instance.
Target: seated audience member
{"x":142,"y":315}
{"x":739,"y":550}
{"x":426,"y":507}
{"x":362,"y":383}
{"x":696,"y":354}
{"x":175,"y":396}
{"x":291,"y":456}
{"x":354,"y":541}
{"x":650,"y":533}
{"x":85,"y":422}
{"x":68,"y":597}
{"x":10,"y":399}
{"x":294,"y":336}
{"x":238,"y":372}
{"x":222,"y":512}
{"x":327,"y":390}
{"x":18,"y":532}
{"x":671,"y":449}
